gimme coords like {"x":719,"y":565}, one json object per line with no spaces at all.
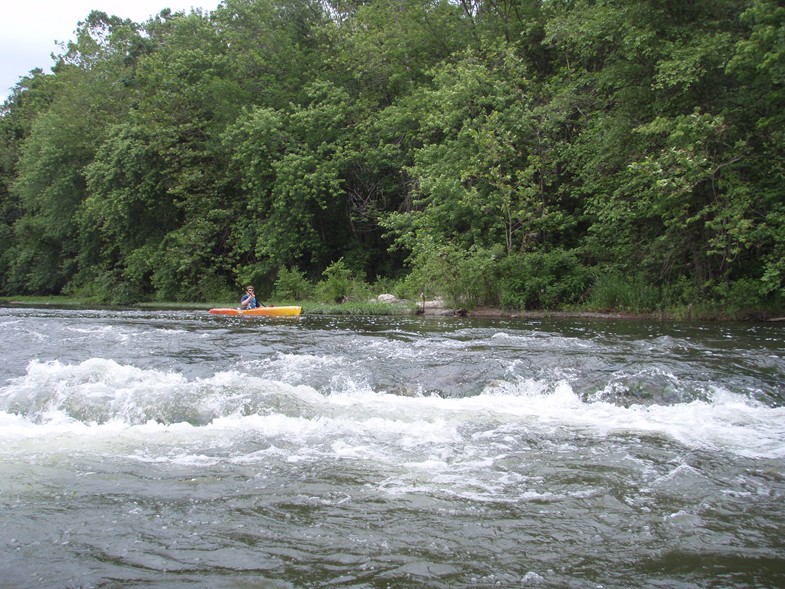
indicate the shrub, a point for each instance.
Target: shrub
{"x":679,"y":293}
{"x":292,"y":284}
{"x":407,"y":288}
{"x":625,"y":293}
{"x":740,"y":295}
{"x":542,"y":280}
{"x":466,"y":279}
{"x":340,"y":284}
{"x":110,"y":288}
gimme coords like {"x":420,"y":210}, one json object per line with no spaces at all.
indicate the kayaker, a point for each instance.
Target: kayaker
{"x":248,"y":300}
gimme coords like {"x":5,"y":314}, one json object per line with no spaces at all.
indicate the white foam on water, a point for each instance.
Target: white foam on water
{"x":294,"y":363}
{"x":725,"y":422}
{"x":101,"y":398}
{"x":541,"y":339}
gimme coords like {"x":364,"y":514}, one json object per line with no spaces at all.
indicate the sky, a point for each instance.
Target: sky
{"x":29,"y":28}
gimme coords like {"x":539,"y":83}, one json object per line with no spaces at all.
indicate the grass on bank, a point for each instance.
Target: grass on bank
{"x":50,"y":300}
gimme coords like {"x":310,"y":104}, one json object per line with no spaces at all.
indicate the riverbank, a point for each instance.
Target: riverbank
{"x":437,"y":308}
{"x":388,"y":305}
{"x":681,"y":315}
{"x":689,"y":313}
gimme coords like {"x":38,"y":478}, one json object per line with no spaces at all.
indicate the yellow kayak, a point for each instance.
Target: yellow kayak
{"x":259,"y":312}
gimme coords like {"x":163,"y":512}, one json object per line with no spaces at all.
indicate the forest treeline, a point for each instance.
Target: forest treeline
{"x":520,"y":153}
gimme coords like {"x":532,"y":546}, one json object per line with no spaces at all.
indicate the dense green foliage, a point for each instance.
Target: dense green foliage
{"x":624,"y":154}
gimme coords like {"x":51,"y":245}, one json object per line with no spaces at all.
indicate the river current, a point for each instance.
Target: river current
{"x":176,"y":449}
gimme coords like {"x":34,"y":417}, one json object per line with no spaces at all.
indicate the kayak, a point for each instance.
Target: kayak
{"x":259,"y":312}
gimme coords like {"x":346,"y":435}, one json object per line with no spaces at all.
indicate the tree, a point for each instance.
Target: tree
{"x":61,"y":141}
{"x":290,"y":168}
{"x":482,"y":171}
{"x":274,"y":49}
{"x":758,"y":64}
{"x":482,"y":138}
{"x":387,"y":48}
{"x":654,"y":151}
{"x":188,"y":97}
{"x":32,"y":95}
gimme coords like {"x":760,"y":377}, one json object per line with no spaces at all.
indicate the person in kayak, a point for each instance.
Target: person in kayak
{"x":248,"y":300}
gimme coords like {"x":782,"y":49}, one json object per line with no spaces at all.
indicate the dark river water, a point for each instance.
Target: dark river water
{"x":176,"y":449}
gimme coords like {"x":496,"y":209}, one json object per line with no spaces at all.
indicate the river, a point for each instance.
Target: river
{"x":176,"y":449}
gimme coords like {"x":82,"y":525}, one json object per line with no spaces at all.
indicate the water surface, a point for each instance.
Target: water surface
{"x":176,"y":449}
